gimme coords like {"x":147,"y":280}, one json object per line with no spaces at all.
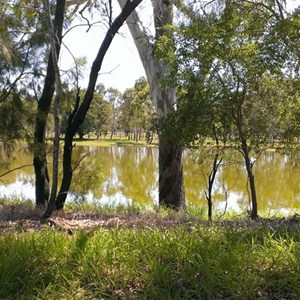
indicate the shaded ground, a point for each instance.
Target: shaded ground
{"x":21,"y":218}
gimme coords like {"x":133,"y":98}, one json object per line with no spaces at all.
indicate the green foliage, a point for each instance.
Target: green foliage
{"x":16,"y":119}
{"x":229,"y":62}
{"x":137,"y":112}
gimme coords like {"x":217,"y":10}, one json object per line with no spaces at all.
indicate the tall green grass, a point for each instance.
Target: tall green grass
{"x":190,"y":262}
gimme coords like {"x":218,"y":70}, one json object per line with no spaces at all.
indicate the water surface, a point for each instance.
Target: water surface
{"x":126,"y":175}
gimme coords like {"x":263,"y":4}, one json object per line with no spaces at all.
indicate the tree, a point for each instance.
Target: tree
{"x":42,"y":190}
{"x":100,"y":112}
{"x":171,"y":189}
{"x":19,"y":45}
{"x":137,"y":112}
{"x":233,"y":59}
{"x":58,"y":94}
{"x":113,"y":96}
{"x":81,"y":109}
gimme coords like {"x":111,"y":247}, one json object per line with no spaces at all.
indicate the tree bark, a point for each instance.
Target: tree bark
{"x":42,"y":189}
{"x":67,"y":171}
{"x":58,"y":93}
{"x":171,"y":188}
{"x":77,"y":117}
{"x":249,"y":169}
{"x":210,"y":183}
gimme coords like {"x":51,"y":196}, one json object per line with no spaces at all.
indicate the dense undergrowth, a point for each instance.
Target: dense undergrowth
{"x":183,"y":261}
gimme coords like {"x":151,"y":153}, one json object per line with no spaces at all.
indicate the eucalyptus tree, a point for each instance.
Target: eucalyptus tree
{"x":114,"y":97}
{"x":100,"y":112}
{"x":137,"y":112}
{"x":158,"y":71}
{"x":234,"y":59}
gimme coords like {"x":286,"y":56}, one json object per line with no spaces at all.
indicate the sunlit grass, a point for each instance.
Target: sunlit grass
{"x":97,"y":207}
{"x":187,"y":259}
{"x":115,"y":141}
{"x":148,"y":263}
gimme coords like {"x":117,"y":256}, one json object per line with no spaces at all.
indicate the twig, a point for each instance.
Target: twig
{"x":14,"y":169}
{"x":109,"y":72}
{"x":81,"y":25}
{"x":80,"y":160}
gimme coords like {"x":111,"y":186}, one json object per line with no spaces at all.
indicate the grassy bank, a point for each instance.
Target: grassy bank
{"x":187,"y":261}
{"x":107,"y":142}
{"x":114,"y":142}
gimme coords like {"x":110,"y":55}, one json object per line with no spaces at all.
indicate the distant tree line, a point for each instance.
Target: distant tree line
{"x":113,"y":113}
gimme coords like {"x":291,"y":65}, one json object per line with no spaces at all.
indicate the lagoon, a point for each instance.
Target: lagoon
{"x":129,"y":175}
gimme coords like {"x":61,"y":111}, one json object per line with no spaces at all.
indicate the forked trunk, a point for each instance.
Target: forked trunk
{"x":77,"y":117}
{"x":58,"y":93}
{"x":254,"y":212}
{"x":211,"y":180}
{"x":40,"y":155}
{"x":249,"y":168}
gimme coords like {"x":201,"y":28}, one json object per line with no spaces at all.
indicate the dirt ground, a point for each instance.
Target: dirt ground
{"x":21,"y":218}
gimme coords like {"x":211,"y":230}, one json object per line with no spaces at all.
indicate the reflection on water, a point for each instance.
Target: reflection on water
{"x":126,"y":175}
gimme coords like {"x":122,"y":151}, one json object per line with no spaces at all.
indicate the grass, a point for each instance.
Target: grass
{"x":182,"y":262}
{"x":115,"y":141}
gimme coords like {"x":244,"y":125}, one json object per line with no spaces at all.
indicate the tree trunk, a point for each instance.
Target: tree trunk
{"x":67,"y":171}
{"x":80,"y":134}
{"x":249,"y":167}
{"x":58,"y":93}
{"x":135,"y":133}
{"x":98,"y":134}
{"x":211,"y":180}
{"x":77,"y":117}
{"x":171,"y":189}
{"x":40,"y":155}
{"x":42,"y":189}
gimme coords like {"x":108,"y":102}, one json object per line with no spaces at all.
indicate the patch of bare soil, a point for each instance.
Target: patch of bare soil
{"x":21,"y":218}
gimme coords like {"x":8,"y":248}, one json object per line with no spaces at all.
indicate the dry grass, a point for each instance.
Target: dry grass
{"x":23,"y":217}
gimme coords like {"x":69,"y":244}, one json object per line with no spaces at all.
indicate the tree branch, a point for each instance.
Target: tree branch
{"x":15,"y":169}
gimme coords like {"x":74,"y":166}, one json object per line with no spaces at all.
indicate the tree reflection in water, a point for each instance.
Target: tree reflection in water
{"x":125,"y":175}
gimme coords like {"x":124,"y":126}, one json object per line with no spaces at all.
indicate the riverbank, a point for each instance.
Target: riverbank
{"x":134,"y":254}
{"x":116,"y":140}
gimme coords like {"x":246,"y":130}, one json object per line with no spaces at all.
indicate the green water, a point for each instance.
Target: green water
{"x":125,"y":175}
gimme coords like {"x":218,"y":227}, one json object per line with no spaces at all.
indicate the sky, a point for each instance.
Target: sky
{"x":121,"y":66}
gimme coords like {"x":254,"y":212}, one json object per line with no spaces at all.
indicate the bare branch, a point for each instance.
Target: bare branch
{"x":76,"y":65}
{"x":81,"y":25}
{"x":7,"y":93}
{"x":79,"y":161}
{"x":15,"y":169}
{"x":109,"y":72}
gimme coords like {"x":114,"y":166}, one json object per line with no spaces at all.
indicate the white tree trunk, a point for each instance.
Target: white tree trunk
{"x":171,"y":190}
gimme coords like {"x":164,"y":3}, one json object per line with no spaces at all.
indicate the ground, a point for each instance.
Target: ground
{"x":22,"y":218}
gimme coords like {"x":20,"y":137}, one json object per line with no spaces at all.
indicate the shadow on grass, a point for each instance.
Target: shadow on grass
{"x":150,"y":263}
